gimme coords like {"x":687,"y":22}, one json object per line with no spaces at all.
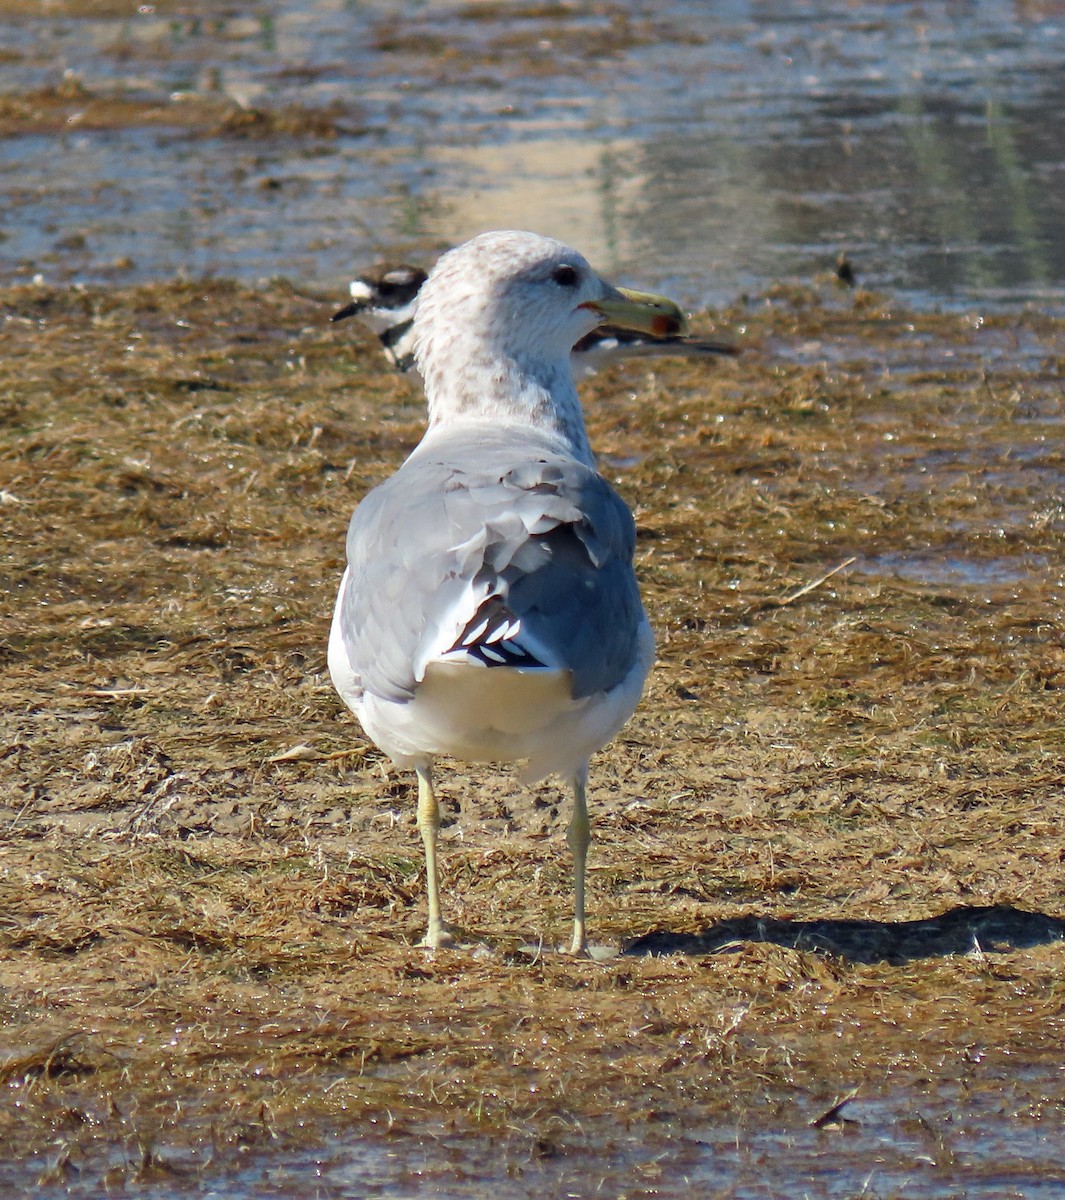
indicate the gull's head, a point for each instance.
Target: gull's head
{"x":498,"y":316}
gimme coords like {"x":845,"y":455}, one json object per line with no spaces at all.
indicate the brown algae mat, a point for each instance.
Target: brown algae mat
{"x":839,"y":806}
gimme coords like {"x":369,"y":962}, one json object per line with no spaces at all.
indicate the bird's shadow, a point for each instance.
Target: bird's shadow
{"x":992,"y":928}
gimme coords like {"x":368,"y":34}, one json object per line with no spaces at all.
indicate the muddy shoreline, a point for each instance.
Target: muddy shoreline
{"x":211,"y":884}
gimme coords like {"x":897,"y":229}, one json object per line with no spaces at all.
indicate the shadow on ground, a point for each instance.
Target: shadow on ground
{"x":961,"y":930}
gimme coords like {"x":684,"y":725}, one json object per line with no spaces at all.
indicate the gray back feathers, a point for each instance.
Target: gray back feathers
{"x":509,"y":518}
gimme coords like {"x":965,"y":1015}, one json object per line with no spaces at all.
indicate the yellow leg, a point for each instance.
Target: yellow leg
{"x":429,"y":825}
{"x":579,"y":838}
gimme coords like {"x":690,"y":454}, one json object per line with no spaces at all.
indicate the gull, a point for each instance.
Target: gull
{"x":489,"y":610}
{"x":383,"y":299}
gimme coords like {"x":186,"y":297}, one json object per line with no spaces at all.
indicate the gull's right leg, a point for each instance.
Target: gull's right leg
{"x":437,"y":933}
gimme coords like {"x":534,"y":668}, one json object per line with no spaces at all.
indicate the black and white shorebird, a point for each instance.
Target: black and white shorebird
{"x":489,"y":609}
{"x":383,"y":299}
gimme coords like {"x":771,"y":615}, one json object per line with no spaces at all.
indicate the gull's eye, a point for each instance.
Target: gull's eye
{"x":565,"y":276}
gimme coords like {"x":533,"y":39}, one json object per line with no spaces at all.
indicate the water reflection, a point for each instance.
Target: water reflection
{"x":708,"y":148}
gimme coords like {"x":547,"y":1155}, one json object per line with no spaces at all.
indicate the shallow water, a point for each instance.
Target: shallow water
{"x":986,"y":1144}
{"x":705,"y":149}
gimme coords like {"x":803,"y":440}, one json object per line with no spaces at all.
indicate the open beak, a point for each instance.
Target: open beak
{"x":642,"y":311}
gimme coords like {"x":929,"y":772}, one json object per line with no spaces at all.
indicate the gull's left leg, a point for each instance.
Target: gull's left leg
{"x":579,"y":837}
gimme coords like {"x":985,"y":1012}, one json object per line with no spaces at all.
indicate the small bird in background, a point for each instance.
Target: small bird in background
{"x":383,"y":299}
{"x":845,"y":272}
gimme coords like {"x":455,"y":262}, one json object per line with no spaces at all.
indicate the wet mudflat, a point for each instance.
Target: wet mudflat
{"x":708,"y":150}
{"x":850,"y":545}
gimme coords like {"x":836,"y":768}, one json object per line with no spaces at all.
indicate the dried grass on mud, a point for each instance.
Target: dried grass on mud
{"x":210,"y":883}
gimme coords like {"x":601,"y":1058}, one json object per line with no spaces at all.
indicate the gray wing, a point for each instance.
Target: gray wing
{"x":460,"y":545}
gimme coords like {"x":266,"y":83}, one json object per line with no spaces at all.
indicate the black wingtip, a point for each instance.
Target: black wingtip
{"x":706,"y":346}
{"x":349,"y":310}
{"x":697,"y":345}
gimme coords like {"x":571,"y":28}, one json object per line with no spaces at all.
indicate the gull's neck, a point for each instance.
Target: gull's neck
{"x":500,"y":391}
